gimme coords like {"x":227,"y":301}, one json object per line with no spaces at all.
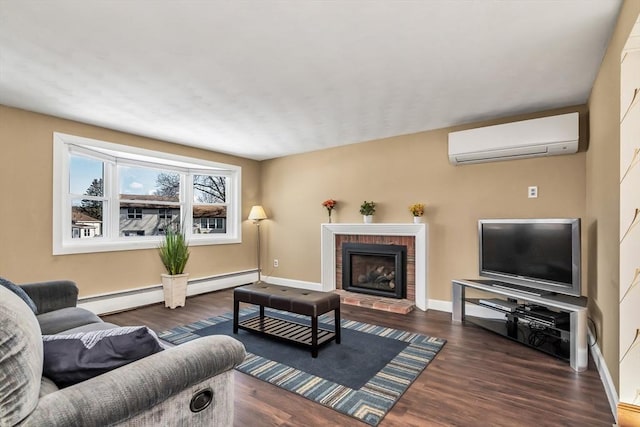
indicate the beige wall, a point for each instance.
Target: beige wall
{"x":26,"y":141}
{"x":402,"y":170}
{"x":603,"y":198}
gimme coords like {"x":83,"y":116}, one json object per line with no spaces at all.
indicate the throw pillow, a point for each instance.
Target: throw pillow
{"x":70,"y":359}
{"x":20,"y":292}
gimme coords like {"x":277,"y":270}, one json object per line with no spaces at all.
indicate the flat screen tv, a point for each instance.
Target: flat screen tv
{"x":543,"y":255}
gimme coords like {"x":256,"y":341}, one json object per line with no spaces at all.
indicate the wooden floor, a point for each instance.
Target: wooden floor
{"x":478,"y":379}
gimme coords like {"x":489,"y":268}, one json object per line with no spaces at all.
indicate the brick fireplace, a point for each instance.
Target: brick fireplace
{"x":374,"y":269}
{"x":406,"y":272}
{"x":413,"y":236}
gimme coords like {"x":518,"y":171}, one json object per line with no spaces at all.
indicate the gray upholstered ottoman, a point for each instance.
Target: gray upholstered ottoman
{"x":293,"y":300}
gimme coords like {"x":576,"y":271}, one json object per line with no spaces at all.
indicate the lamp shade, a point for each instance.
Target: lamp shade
{"x":257,"y":213}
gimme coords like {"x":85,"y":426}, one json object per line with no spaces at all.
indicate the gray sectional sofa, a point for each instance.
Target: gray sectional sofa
{"x":187,"y":385}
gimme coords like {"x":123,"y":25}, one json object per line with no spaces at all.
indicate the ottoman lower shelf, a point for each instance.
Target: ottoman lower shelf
{"x":286,"y":330}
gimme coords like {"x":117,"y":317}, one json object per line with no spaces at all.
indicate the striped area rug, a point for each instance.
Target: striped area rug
{"x":370,"y":403}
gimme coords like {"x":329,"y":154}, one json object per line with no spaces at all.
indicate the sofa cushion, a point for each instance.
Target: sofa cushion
{"x":70,"y":359}
{"x":20,"y":359}
{"x":20,"y":292}
{"x":64,"y":319}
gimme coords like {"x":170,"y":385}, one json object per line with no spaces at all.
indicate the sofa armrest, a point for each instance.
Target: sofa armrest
{"x":123,"y":393}
{"x":52,"y":295}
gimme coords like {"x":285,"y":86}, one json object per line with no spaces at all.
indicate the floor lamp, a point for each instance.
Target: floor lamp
{"x":256,"y":215}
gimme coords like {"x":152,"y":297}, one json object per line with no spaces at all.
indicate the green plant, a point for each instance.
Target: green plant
{"x":174,"y":251}
{"x":368,"y":208}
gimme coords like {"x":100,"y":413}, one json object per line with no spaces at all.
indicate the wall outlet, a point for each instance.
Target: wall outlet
{"x":533,"y":192}
{"x":276,"y":263}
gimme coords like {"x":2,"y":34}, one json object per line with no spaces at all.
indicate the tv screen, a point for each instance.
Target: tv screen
{"x":541,"y":254}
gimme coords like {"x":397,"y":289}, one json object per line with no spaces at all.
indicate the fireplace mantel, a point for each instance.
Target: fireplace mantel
{"x":328,"y":250}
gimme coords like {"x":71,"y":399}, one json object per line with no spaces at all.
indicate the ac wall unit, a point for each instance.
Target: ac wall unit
{"x":547,"y":136}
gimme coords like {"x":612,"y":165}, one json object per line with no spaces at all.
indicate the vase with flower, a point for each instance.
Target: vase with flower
{"x":330,"y":204}
{"x":417,"y":209}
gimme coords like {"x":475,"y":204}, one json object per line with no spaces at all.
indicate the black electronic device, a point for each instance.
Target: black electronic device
{"x":542,"y":316}
{"x":534,"y":256}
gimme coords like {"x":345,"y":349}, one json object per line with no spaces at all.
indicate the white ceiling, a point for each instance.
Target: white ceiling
{"x":264,"y":79}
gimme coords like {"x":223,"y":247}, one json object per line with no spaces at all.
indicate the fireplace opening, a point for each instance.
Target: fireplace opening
{"x":375,"y":269}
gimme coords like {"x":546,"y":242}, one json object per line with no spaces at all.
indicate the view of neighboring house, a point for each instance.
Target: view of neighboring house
{"x":209,"y":219}
{"x":141,"y":218}
{"x":83,"y":225}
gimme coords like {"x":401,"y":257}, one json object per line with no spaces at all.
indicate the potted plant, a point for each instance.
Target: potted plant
{"x":174,"y":253}
{"x":367,"y":209}
{"x":417,"y":210}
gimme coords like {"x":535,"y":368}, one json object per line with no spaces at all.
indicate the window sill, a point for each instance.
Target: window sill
{"x":137,"y":244}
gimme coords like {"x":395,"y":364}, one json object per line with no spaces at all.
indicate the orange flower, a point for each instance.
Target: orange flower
{"x":329,"y":204}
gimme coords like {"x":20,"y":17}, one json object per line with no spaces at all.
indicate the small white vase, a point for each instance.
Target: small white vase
{"x":417,"y":220}
{"x":368,"y":219}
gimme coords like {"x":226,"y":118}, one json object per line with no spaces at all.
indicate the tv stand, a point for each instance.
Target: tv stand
{"x":567,"y":341}
{"x":538,"y":294}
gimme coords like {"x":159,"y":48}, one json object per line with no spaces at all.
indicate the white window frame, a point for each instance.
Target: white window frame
{"x":110,"y":153}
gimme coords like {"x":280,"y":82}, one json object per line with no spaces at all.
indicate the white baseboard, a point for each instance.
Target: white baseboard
{"x":439,"y":305}
{"x":605,"y":377}
{"x":217,"y":283}
{"x":311,"y":286}
{"x":138,"y":297}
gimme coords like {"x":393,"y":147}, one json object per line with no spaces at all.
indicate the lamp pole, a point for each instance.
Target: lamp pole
{"x":259,"y":269}
{"x":257,"y":214}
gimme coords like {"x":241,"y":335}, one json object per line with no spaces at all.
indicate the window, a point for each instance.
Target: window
{"x":209,"y":225}
{"x":113,"y":197}
{"x":134,"y":213}
{"x":165,"y":214}
{"x":209,"y":203}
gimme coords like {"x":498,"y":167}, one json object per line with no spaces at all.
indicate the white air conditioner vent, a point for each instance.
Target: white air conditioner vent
{"x":547,"y":136}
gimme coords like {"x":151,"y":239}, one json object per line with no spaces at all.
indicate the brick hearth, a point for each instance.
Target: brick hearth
{"x":394,"y":305}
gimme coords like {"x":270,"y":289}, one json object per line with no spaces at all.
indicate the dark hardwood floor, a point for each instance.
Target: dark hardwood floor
{"x":478,"y":379}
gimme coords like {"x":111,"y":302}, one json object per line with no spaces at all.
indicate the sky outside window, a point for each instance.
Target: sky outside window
{"x":82,"y":172}
{"x":140,"y":181}
{"x":133,"y":180}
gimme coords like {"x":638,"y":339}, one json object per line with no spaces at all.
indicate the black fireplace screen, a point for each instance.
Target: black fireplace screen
{"x":374,"y":269}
